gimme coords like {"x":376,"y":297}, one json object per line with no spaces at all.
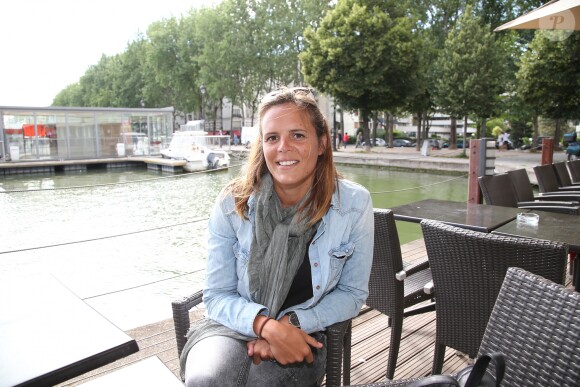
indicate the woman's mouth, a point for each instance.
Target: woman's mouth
{"x":287,"y":163}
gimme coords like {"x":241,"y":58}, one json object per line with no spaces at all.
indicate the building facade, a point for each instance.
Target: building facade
{"x":69,"y":133}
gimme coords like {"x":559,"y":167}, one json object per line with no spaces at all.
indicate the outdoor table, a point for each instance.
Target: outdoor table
{"x":477,"y":217}
{"x":551,"y":226}
{"x":48,"y":335}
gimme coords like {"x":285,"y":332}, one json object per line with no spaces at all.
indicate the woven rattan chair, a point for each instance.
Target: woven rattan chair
{"x":468,"y":269}
{"x":395,"y":286}
{"x":499,"y":190}
{"x":563,"y":175}
{"x":338,"y":354}
{"x":525,"y":193}
{"x":574,"y":168}
{"x":535,"y":323}
{"x":548,"y":179}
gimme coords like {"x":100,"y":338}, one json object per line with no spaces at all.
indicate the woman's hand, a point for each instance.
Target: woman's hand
{"x":259,"y":350}
{"x":287,"y":343}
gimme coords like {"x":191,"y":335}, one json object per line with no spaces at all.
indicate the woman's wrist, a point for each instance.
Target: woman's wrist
{"x":259,"y":324}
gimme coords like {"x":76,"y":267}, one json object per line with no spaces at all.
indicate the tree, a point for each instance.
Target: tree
{"x":470,"y":71}
{"x":549,"y":76}
{"x":363,"y":55}
{"x":170,"y":68}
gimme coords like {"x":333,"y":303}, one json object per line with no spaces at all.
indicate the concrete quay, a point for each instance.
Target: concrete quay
{"x":442,"y":161}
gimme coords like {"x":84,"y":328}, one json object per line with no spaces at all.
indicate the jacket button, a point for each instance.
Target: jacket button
{"x":317,"y":287}
{"x":315,"y":264}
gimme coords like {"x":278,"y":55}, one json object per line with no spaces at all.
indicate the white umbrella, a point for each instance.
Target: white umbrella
{"x":554,"y":15}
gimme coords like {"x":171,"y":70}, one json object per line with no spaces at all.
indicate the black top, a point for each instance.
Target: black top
{"x":301,"y":288}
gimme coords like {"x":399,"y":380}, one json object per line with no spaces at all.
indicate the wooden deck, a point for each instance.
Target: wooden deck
{"x":370,"y":343}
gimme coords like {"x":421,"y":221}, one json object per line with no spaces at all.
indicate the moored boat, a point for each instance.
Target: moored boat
{"x":201,"y":151}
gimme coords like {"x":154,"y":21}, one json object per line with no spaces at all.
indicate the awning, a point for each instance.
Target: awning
{"x":554,"y":15}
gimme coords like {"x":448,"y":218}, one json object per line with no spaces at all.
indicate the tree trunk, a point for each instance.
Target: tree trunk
{"x":557,"y":133}
{"x":536,"y":129}
{"x":364,"y":116}
{"x":334,"y":128}
{"x":464,"y":153}
{"x":426,"y":125}
{"x":419,"y":130}
{"x":374,"y":121}
{"x":453,"y":134}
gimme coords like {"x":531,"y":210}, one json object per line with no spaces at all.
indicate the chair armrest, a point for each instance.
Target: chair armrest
{"x":181,"y":321}
{"x":541,"y":203}
{"x":429,"y":288}
{"x":412,"y":268}
{"x":338,"y":338}
{"x":570,"y":188}
{"x":572,"y":210}
{"x":561,"y":195}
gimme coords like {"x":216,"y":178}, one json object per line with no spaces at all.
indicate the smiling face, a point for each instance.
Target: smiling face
{"x":291,"y":148}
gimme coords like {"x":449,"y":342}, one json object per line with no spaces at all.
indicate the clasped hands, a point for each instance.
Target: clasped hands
{"x":282,"y":342}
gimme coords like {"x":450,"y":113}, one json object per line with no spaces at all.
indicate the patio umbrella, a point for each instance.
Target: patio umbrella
{"x":554,"y":15}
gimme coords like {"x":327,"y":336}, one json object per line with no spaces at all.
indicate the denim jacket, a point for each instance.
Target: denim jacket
{"x":340,"y":253}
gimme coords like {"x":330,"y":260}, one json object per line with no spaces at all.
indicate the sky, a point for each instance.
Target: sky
{"x":46,"y":45}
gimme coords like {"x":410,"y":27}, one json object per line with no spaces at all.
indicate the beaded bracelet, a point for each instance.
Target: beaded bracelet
{"x":262,"y":327}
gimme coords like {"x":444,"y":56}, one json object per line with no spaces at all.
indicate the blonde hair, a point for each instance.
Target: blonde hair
{"x":325,"y":174}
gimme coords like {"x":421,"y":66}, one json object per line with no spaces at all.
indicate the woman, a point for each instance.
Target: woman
{"x":289,"y":254}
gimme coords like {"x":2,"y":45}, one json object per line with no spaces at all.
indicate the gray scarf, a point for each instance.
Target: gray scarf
{"x":279,"y":245}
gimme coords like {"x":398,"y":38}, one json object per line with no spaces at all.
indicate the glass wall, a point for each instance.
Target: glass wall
{"x":77,"y":133}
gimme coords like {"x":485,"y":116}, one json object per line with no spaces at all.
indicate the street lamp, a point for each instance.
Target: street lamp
{"x":142,"y":102}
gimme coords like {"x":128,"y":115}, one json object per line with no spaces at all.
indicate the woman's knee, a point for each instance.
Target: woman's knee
{"x":217,"y":361}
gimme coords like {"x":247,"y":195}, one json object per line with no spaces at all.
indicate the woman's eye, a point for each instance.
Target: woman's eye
{"x":271,"y":138}
{"x":299,"y":135}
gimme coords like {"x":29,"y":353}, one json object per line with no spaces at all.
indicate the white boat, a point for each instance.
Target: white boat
{"x":200,"y":150}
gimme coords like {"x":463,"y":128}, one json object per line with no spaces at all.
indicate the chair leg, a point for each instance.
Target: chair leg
{"x":438,"y":358}
{"x":346,"y":356}
{"x":396,"y":332}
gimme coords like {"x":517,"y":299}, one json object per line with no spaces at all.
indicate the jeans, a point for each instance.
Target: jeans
{"x":223,"y":361}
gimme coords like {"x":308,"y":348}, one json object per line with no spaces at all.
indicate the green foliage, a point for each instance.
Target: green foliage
{"x":373,"y":55}
{"x":470,"y":70}
{"x":549,"y":75}
{"x":362,"y":56}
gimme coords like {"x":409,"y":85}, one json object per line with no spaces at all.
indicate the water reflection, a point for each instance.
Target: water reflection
{"x":113,"y":244}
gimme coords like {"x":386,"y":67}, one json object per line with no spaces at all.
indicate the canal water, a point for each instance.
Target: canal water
{"x":129,"y":242}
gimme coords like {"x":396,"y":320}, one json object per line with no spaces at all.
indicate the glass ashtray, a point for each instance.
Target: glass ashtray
{"x":528,"y":219}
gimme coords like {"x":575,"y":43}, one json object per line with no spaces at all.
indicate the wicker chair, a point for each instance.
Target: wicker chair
{"x":563,"y":175}
{"x":395,"y":285}
{"x":525,"y":193}
{"x":535,"y":323}
{"x":468,"y":269}
{"x":548,"y":180}
{"x":337,"y":335}
{"x":499,"y":190}
{"x":574,"y":168}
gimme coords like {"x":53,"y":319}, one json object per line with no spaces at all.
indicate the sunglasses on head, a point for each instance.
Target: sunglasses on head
{"x":295,"y":90}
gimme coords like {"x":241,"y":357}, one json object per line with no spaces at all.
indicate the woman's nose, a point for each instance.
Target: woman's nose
{"x":283,"y":144}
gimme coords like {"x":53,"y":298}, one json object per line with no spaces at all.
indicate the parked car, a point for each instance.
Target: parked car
{"x":459,"y":144}
{"x":399,"y":142}
{"x":378,"y":142}
{"x":573,"y":151}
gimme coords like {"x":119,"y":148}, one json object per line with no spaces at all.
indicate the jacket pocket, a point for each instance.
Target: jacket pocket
{"x":338,"y":257}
